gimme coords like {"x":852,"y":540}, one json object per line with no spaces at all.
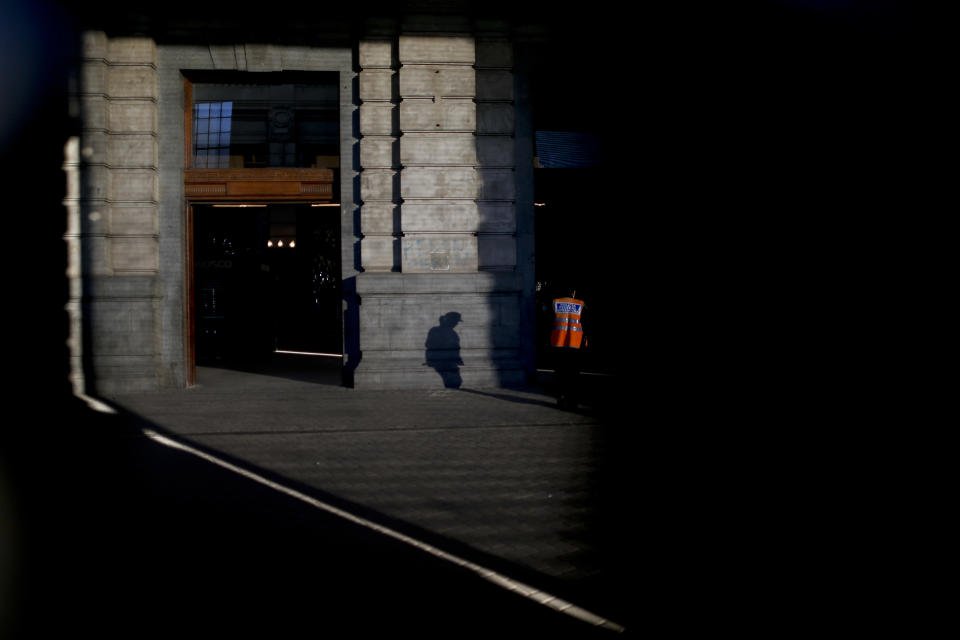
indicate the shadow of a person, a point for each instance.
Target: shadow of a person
{"x":443,"y":350}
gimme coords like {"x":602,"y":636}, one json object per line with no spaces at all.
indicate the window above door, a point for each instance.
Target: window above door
{"x":262,"y":135}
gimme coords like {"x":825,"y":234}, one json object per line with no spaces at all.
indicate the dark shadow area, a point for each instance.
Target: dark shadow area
{"x":119,"y":533}
{"x":765,"y":140}
{"x":511,"y":398}
{"x":574,"y":252}
{"x":443,"y":350}
{"x":266,"y":278}
{"x":597,"y":394}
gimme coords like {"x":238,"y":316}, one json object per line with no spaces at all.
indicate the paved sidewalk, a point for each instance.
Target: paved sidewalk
{"x":499,"y":477}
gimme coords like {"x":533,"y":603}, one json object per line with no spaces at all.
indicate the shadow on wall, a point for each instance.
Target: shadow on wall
{"x":443,"y":350}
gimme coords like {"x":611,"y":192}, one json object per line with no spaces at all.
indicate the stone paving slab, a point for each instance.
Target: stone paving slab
{"x":501,"y":475}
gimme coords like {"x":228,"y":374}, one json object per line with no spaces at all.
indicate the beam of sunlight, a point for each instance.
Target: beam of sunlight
{"x":583,"y":373}
{"x":491,"y":576}
{"x":310,"y":353}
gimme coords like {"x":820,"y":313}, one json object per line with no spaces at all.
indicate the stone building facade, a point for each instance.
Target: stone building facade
{"x":435,"y":195}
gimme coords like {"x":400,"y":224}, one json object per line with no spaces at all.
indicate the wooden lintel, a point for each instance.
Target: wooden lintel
{"x":258,"y":184}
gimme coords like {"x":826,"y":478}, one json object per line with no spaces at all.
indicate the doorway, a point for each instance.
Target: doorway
{"x":266,"y":283}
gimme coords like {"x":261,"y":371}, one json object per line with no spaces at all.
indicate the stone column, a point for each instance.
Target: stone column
{"x":113,"y":235}
{"x":379,"y":190}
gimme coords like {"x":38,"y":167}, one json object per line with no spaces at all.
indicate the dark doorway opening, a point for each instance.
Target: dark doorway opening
{"x":266,"y":282}
{"x":575,"y":252}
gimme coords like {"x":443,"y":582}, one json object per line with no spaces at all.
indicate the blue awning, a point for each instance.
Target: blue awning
{"x":565,"y":149}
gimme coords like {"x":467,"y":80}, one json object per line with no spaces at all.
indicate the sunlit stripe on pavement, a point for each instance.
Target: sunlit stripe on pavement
{"x":519,"y":588}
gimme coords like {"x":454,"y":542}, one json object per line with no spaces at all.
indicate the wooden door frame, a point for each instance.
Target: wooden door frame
{"x":235,"y":187}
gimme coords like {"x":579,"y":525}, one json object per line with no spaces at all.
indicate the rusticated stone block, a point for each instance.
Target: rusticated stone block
{"x":496,"y":184}
{"x":134,"y":254}
{"x":379,"y":218}
{"x":135,"y":50}
{"x":498,"y":217}
{"x":438,"y":182}
{"x":434,"y":283}
{"x":449,"y":253}
{"x":296,"y":57}
{"x":438,"y":149}
{"x":139,"y":150}
{"x":378,"y":152}
{"x":133,"y":220}
{"x":133,"y":185}
{"x":118,"y":327}
{"x":224,"y":56}
{"x":96,"y":259}
{"x":436,"y":49}
{"x":93,"y":77}
{"x":378,"y":118}
{"x":494,"y":53}
{"x":444,"y":114}
{"x":495,"y":151}
{"x":263,"y":57}
{"x":376,"y":84}
{"x":377,"y":253}
{"x":132,"y":116}
{"x":439,"y":81}
{"x":94,"y":182}
{"x":494,"y":84}
{"x":377,"y":184}
{"x":94,"y":149}
{"x":495,"y":118}
{"x":94,"y":44}
{"x":375,"y":53}
{"x":132,"y":82}
{"x":439,"y":216}
{"x":94,"y":109}
{"x":496,"y":251}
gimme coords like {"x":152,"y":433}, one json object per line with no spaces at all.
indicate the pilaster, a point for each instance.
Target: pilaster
{"x":113,"y":232}
{"x":497,"y":226}
{"x":438,"y":153}
{"x":379,"y":156}
{"x":443,"y":321}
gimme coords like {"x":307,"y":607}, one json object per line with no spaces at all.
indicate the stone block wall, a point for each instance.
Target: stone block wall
{"x":495,"y":147}
{"x":440,"y":296}
{"x":379,"y":156}
{"x":438,"y":180}
{"x":425,"y":330}
{"x":428,"y":137}
{"x":112,"y":204}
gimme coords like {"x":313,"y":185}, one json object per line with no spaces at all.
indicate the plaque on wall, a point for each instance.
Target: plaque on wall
{"x":440,"y":261}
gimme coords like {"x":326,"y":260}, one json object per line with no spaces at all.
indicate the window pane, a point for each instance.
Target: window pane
{"x":248,"y":115}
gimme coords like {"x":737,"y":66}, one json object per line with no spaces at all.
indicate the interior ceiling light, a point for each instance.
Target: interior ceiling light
{"x":325,"y":204}
{"x":237,"y":206}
